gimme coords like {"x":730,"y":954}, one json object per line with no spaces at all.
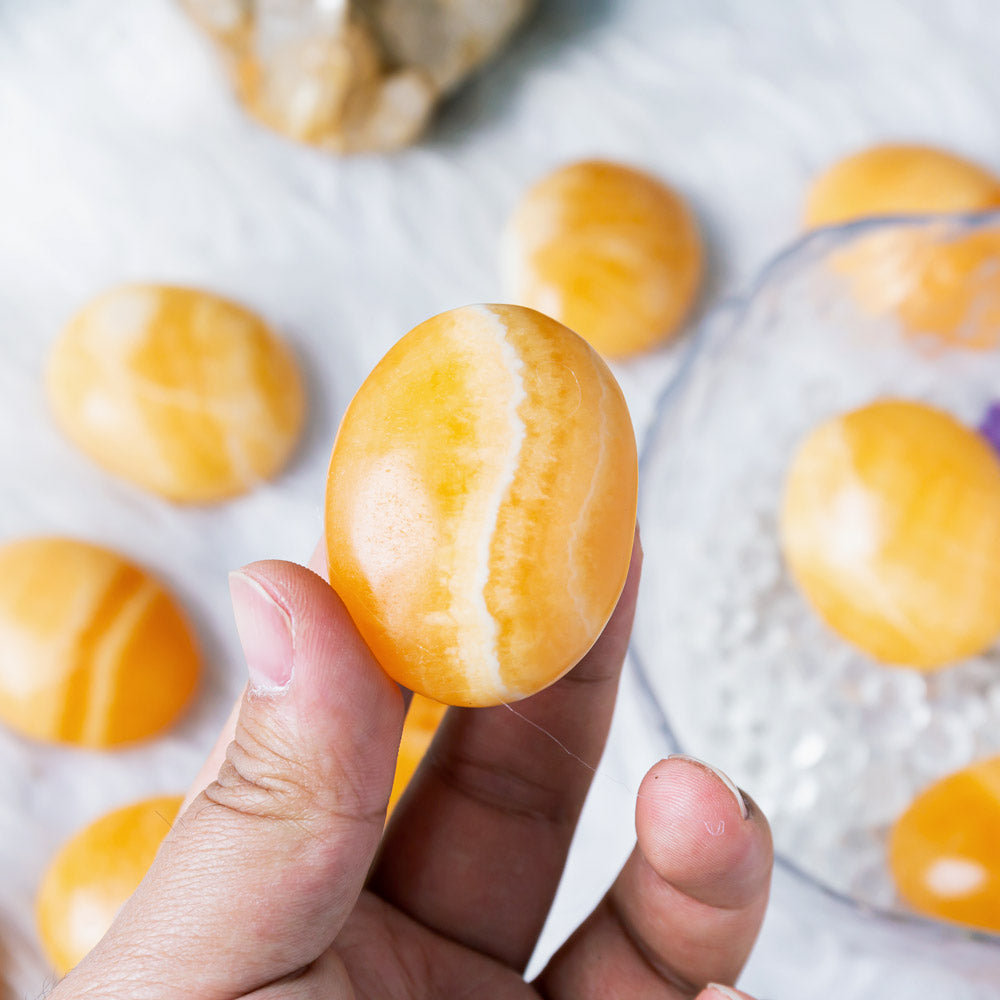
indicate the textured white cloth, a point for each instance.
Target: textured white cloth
{"x":123,"y":156}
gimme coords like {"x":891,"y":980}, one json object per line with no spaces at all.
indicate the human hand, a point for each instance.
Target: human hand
{"x":278,"y":880}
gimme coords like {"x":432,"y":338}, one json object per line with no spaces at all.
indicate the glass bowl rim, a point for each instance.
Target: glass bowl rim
{"x":727,"y":314}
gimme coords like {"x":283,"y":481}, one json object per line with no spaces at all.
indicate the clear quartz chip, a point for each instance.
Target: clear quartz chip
{"x":353,"y":75}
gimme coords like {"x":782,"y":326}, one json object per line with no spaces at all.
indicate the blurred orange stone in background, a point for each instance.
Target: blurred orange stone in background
{"x":899,"y":180}
{"x":180,"y":391}
{"x":93,"y":650}
{"x":95,"y":873}
{"x":422,"y":720}
{"x":891,"y":527}
{"x":943,"y":849}
{"x":480,"y":505}
{"x":610,"y":251}
{"x":943,"y":289}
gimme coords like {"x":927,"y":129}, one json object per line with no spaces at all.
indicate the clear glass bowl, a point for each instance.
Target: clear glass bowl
{"x":832,"y":745}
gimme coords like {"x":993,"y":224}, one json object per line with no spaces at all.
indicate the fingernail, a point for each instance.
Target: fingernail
{"x":265,"y":631}
{"x":723,"y":991}
{"x":722,"y":776}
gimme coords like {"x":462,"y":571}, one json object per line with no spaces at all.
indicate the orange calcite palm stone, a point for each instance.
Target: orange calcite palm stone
{"x":93,"y":650}
{"x":899,"y":180}
{"x":891,"y":526}
{"x":943,"y":291}
{"x":422,"y":721}
{"x":182,"y":392}
{"x":95,"y":873}
{"x":611,"y":252}
{"x":943,"y":849}
{"x":481,"y":503}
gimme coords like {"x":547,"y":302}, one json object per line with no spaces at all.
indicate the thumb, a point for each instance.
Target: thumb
{"x":263,"y":868}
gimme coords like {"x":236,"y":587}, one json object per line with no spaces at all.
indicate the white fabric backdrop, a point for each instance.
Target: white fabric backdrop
{"x":122,"y":156}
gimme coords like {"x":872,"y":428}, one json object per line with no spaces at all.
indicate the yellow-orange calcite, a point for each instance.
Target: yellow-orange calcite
{"x":608,"y":250}
{"x":93,"y":875}
{"x":943,"y":849}
{"x":480,"y":504}
{"x":93,"y":650}
{"x":422,"y":720}
{"x":942,"y":290}
{"x":899,"y":180}
{"x":891,"y":527}
{"x":185,"y":393}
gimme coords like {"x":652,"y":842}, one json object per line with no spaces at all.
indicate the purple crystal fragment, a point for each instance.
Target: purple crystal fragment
{"x":989,"y":427}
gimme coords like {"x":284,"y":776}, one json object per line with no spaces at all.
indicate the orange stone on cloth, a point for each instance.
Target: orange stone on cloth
{"x":93,"y":650}
{"x":891,"y":527}
{"x":612,"y":252}
{"x":899,"y":180}
{"x":182,"y":392}
{"x":943,"y":849}
{"x":480,"y":505}
{"x":95,"y":873}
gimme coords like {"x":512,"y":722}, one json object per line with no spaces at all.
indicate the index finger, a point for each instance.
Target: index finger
{"x":476,"y":847}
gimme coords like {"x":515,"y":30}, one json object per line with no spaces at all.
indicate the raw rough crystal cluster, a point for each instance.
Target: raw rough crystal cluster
{"x":353,"y":75}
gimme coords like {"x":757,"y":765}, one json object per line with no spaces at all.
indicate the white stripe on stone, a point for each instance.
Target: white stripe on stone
{"x":490,"y":630}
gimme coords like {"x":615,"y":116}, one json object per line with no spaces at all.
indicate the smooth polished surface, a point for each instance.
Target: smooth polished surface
{"x":943,"y":849}
{"x":944,"y":292}
{"x":180,"y":391}
{"x":944,"y":289}
{"x":94,"y":873}
{"x":891,"y":527}
{"x":899,"y":180}
{"x":611,"y":251}
{"x":93,"y":650}
{"x":481,"y":504}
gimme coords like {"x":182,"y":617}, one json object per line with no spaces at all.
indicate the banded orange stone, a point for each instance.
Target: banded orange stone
{"x":891,"y":527}
{"x":609,"y":250}
{"x":93,"y":875}
{"x":943,"y":849}
{"x":93,"y":650}
{"x":481,"y":502}
{"x":180,"y":391}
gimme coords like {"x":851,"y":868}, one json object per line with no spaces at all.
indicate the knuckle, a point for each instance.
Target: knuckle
{"x":591,"y":673}
{"x":265,"y":776}
{"x":509,"y":791}
{"x":649,"y":953}
{"x":261,"y":777}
